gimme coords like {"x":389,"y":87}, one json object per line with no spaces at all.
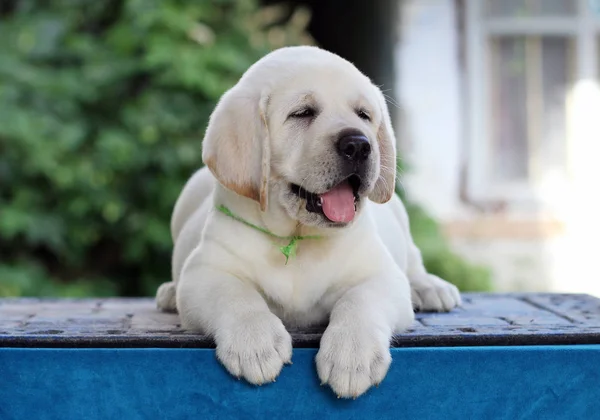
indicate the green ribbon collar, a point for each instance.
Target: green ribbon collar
{"x":289,"y":250}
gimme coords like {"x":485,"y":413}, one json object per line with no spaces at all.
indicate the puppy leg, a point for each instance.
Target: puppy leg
{"x":251,"y":341}
{"x":355,"y":348}
{"x":165,"y":297}
{"x":429,"y":292}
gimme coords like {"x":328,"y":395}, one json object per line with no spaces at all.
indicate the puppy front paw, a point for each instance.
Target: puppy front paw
{"x":255,"y":348}
{"x":431,"y":293}
{"x":352,"y":359}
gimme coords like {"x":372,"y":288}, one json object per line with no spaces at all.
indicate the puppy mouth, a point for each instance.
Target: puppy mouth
{"x":338,"y":205}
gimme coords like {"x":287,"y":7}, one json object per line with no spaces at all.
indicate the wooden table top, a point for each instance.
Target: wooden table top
{"x":483,"y":320}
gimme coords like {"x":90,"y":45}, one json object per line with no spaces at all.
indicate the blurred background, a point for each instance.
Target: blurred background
{"x":103,"y":105}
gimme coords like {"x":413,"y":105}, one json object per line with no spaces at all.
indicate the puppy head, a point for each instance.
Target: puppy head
{"x":305,"y":130}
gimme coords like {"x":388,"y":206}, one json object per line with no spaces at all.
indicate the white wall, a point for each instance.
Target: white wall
{"x":430,"y":95}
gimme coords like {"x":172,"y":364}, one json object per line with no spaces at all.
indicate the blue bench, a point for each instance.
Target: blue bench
{"x":500,"y":356}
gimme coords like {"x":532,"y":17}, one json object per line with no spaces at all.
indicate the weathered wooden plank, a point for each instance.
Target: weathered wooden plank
{"x":484,"y":319}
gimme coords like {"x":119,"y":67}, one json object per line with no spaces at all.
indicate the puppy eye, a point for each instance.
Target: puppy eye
{"x":363,"y":115}
{"x":304,"y":113}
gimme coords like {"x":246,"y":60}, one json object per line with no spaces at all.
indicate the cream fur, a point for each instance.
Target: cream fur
{"x":231,"y":281}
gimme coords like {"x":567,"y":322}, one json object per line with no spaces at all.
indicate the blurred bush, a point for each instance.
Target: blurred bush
{"x":103,"y":105}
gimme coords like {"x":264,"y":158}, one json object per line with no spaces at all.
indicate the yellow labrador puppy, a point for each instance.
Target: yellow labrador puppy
{"x":286,"y":226}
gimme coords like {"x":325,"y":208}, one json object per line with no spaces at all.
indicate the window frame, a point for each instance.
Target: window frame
{"x":584,"y":29}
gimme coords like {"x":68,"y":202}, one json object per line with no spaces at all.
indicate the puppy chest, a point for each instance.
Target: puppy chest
{"x":298,"y":289}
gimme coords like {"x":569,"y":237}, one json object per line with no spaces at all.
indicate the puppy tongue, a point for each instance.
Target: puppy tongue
{"x":338,"y":203}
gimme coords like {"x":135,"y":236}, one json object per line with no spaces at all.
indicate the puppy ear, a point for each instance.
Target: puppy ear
{"x":236,"y":144}
{"x":386,"y":183}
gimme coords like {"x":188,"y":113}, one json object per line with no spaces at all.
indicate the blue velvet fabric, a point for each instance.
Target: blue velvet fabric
{"x":537,"y":382}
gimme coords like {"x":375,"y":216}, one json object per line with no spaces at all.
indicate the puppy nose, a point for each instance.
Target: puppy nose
{"x":354,"y":147}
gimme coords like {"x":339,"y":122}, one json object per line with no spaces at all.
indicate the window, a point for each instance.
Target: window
{"x":523,"y":59}
{"x":530,"y":78}
{"x":532,"y":8}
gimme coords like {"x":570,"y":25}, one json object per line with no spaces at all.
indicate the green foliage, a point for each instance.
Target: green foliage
{"x":32,"y":280}
{"x":103,"y":105}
